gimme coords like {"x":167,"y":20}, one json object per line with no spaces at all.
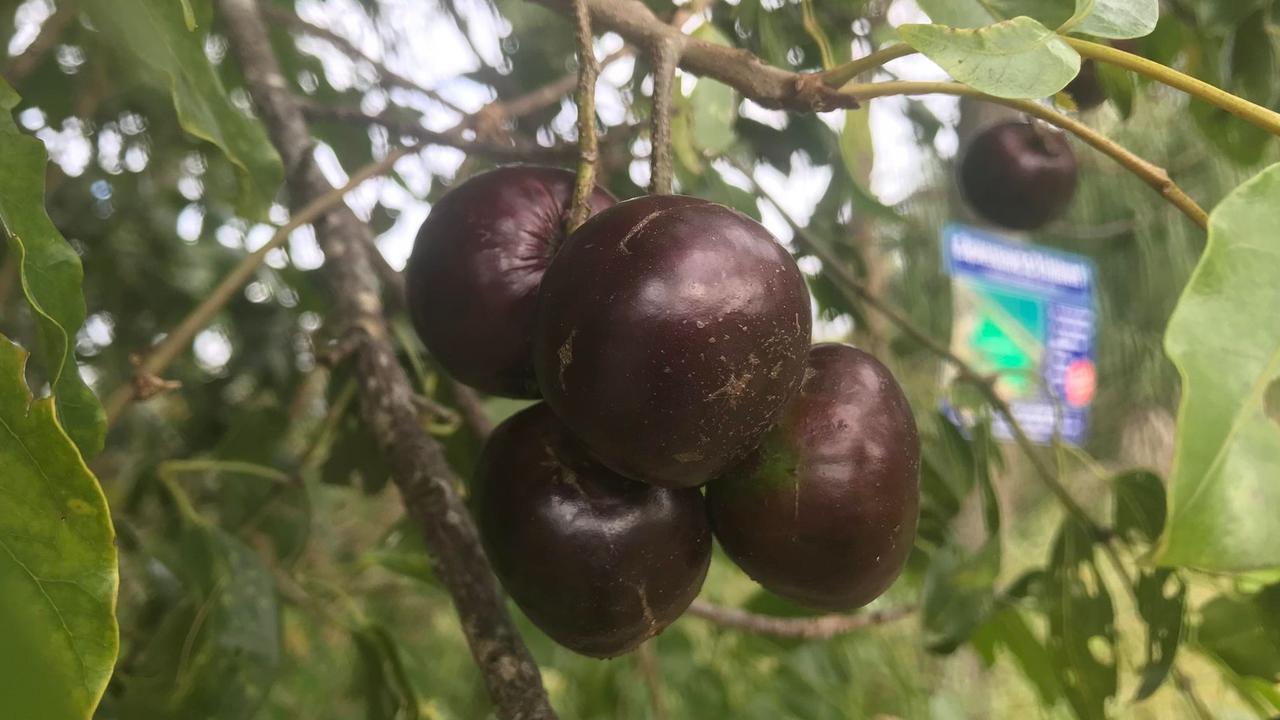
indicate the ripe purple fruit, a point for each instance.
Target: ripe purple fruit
{"x":472,"y":280}
{"x":824,"y":512}
{"x":1019,"y":175}
{"x":598,"y":562}
{"x":670,"y":333}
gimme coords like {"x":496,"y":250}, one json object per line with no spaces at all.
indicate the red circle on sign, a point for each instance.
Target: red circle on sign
{"x":1081,"y":382}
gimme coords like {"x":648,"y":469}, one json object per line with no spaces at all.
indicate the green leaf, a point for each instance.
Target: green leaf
{"x":1162,"y":603}
{"x":156,"y":32}
{"x":1018,"y":58}
{"x":1115,"y":19}
{"x":215,"y":651}
{"x":1121,"y":87}
{"x":51,"y":275}
{"x":704,"y":121}
{"x":1252,"y":69}
{"x":1243,"y":633}
{"x":58,"y":573}
{"x":1225,"y":342}
{"x":1008,"y":629}
{"x":380,"y":676}
{"x":979,"y":13}
{"x":1082,"y":635}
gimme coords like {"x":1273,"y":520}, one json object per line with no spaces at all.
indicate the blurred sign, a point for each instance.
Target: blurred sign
{"x":1026,"y":314}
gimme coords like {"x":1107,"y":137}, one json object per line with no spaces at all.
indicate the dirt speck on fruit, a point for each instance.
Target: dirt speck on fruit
{"x":688,"y":457}
{"x":566,"y":355}
{"x":733,"y":389}
{"x":622,"y":246}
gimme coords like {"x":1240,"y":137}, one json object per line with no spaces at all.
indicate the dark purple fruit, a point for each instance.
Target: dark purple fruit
{"x":670,"y":333}
{"x":1086,"y":89}
{"x":1019,"y":175}
{"x":473,"y":278}
{"x":599,"y":562}
{"x":824,"y":512}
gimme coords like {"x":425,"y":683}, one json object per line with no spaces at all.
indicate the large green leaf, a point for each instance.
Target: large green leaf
{"x":58,"y":574}
{"x":50,"y":272}
{"x":1018,"y":58}
{"x":157,"y":33}
{"x":1244,"y":633}
{"x":1225,"y":341}
{"x":979,"y":13}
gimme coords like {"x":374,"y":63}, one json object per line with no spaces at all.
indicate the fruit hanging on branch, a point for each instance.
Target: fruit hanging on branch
{"x":671,"y":331}
{"x":598,"y":562}
{"x":824,"y":512}
{"x":472,"y":280}
{"x":1086,"y":89}
{"x":1019,"y":175}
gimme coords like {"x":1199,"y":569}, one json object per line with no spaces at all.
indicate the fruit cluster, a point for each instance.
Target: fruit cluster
{"x":669,"y":338}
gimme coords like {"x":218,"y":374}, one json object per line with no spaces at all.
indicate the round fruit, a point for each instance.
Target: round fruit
{"x":670,"y":333}
{"x":824,"y":512}
{"x":599,"y":562}
{"x":473,"y":277}
{"x":1019,"y":175}
{"x":1086,"y":89}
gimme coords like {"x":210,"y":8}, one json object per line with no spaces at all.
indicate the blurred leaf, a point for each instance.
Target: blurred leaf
{"x":1244,"y":633}
{"x":1008,"y":629}
{"x":402,"y":551}
{"x":1223,"y":491}
{"x":703,"y":122}
{"x":58,"y":573}
{"x":51,"y":275}
{"x":959,"y":588}
{"x":1121,"y":87}
{"x":1162,"y":602}
{"x":155,"y":31}
{"x":215,"y":652}
{"x":1017,"y":58}
{"x":1139,"y":511}
{"x":1082,"y":635}
{"x":1251,"y":68}
{"x":380,"y":676}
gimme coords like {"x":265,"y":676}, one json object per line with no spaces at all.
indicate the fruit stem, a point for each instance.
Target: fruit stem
{"x":1241,"y":108}
{"x":665,"y":55}
{"x":841,"y":74}
{"x":1154,"y":176}
{"x":588,"y":142}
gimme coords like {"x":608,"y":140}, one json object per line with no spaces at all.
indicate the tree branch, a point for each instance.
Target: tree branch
{"x":588,"y":143}
{"x":767,"y":85}
{"x":419,"y":468}
{"x":823,"y":627}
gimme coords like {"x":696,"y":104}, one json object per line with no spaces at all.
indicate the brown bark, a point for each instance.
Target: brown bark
{"x":419,"y":469}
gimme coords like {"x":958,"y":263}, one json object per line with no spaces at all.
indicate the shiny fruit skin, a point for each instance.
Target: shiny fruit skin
{"x":1019,"y":175}
{"x":824,"y":513}
{"x":598,"y":562}
{"x":670,"y":333}
{"x":472,"y":280}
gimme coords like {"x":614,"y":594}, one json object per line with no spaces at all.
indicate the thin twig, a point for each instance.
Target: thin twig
{"x":178,"y":339}
{"x":22,"y":66}
{"x":665,"y":56}
{"x":651,"y":671}
{"x":588,"y":143}
{"x":823,"y":627}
